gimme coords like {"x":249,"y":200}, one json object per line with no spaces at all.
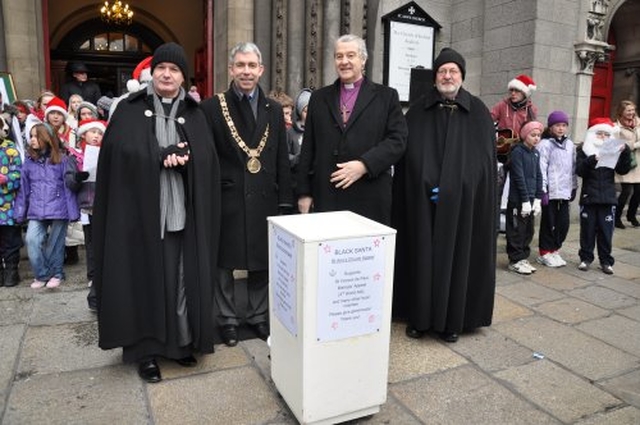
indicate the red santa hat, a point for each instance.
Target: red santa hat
{"x":141,"y":74}
{"x":602,"y":124}
{"x":523,"y":83}
{"x":86,"y":125}
{"x":56,"y":104}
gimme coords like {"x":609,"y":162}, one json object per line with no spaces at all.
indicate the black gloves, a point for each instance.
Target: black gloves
{"x":81,"y":176}
{"x":173,"y":149}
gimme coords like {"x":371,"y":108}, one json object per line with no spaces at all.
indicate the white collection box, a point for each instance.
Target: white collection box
{"x":331,"y":284}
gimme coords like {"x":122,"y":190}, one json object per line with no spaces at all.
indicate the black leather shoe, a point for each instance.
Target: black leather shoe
{"x":413,"y":332}
{"x":188,"y":361}
{"x":618,"y":223}
{"x":149,"y":371}
{"x":634,"y":221}
{"x":230,"y":335}
{"x":262,"y":330}
{"x":449,"y":336}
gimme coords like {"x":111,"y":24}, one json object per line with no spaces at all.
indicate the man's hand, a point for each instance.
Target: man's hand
{"x":304,"y":204}
{"x":348,"y":173}
{"x":175,"y":155}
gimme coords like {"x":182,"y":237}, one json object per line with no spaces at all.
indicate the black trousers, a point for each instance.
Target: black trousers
{"x":519,"y":232}
{"x":629,"y":190}
{"x":554,"y":225}
{"x":596,"y":226}
{"x":257,"y":297}
{"x":10,"y":244}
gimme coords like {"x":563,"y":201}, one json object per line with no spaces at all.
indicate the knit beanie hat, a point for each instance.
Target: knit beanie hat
{"x":302,"y":100}
{"x":529,"y":127}
{"x":173,"y":53}
{"x":556,"y":117}
{"x":87,"y":105}
{"x":57,"y":104}
{"x":524,"y":84}
{"x":104,"y":103}
{"x":141,"y":74}
{"x":449,"y":55}
{"x":86,"y":125}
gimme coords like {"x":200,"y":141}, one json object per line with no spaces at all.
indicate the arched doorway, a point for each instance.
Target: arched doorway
{"x":110,"y":52}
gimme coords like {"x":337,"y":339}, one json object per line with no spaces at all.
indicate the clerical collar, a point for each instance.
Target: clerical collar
{"x":351,"y":86}
{"x":167,"y":99}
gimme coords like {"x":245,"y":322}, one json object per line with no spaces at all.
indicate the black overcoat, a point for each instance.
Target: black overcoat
{"x":446,"y":251}
{"x":126,"y":227}
{"x":248,"y":199}
{"x":375,"y":134}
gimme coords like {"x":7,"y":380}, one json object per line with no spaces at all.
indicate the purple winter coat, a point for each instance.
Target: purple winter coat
{"x":44,"y":194}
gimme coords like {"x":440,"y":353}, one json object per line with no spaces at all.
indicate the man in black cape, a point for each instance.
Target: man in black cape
{"x":444,"y":209}
{"x":156,"y":223}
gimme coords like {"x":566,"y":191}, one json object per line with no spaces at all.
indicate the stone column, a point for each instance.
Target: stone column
{"x":297,"y":40}
{"x":331,"y":32}
{"x":262,"y":36}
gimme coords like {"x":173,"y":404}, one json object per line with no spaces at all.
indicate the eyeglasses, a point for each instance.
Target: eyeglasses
{"x":453,"y":72}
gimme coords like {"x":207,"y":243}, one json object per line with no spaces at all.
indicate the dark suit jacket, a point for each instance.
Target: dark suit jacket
{"x":375,"y":134}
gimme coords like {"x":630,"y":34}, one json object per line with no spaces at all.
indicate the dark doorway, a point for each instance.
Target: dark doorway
{"x":110,"y":52}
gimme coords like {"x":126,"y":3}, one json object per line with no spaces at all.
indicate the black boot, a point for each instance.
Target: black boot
{"x":1,"y":274}
{"x":619,"y":224}
{"x":92,"y":300}
{"x":11,"y":276}
{"x":71,"y":255}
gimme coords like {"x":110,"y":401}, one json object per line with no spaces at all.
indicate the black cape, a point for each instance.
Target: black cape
{"x":446,"y":251}
{"x":126,"y":227}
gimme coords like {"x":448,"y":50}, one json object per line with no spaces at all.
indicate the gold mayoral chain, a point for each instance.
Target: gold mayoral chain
{"x":253,"y":163}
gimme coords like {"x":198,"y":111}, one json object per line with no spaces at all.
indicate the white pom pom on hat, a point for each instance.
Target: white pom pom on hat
{"x":141,"y":74}
{"x":524,"y":84}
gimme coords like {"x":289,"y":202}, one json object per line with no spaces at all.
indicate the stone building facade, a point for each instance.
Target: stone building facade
{"x":559,"y":43}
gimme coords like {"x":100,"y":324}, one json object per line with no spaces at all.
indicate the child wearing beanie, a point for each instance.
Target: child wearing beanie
{"x":525,"y":193}
{"x":598,"y":195}
{"x":559,"y":184}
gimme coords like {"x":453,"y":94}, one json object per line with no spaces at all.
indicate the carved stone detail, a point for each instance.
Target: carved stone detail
{"x":280,"y":45}
{"x":314,"y":43}
{"x":590,"y":53}
{"x":345,"y":27}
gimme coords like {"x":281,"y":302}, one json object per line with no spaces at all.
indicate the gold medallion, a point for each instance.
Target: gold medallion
{"x":253,"y":165}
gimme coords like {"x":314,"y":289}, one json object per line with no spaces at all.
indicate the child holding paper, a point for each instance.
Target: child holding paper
{"x":90,"y":134}
{"x":598,"y":197}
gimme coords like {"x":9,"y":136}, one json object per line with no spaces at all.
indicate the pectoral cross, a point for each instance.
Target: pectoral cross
{"x":345,"y":113}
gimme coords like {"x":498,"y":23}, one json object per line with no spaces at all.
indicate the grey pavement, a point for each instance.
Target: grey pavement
{"x":583,"y":327}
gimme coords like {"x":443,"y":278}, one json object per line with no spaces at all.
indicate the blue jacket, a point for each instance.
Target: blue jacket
{"x":524,"y":174}
{"x":44,"y":193}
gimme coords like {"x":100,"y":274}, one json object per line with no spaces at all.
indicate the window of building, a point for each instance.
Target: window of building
{"x":114,"y":42}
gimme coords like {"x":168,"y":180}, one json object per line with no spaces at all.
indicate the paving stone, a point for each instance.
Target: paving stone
{"x":97,"y":396}
{"x":571,"y":310}
{"x":233,"y":396}
{"x":15,"y":311}
{"x":631,"y":312}
{"x":560,"y":280}
{"x":529,"y":293}
{"x":505,"y":310}
{"x":604,"y":297}
{"x":617,"y":331}
{"x":491,"y":351}
{"x":258,"y":352}
{"x":59,"y":307}
{"x":624,"y":286}
{"x":625,"y":387}
{"x":627,"y":271}
{"x":560,"y":393}
{"x":624,"y":416}
{"x":578,"y":352}
{"x":10,"y":340}
{"x":465,"y":396}
{"x":21,"y":291}
{"x":223,"y":358}
{"x":409,"y":358}
{"x":62,"y":348}
{"x":392,"y":412}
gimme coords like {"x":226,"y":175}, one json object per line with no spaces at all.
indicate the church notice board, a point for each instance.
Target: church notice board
{"x":330,"y":290}
{"x":409,"y":42}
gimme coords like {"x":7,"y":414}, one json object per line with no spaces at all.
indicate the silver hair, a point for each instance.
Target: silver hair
{"x":244,"y":47}
{"x":362,"y":46}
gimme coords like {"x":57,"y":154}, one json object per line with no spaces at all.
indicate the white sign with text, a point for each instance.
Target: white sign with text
{"x":410,"y":46}
{"x":350,"y":287}
{"x":284,"y":282}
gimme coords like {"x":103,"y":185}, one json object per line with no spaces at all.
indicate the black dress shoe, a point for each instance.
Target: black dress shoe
{"x":413,"y":332}
{"x":230,"y":335}
{"x":149,"y":371}
{"x":618,"y":224}
{"x":634,"y":221}
{"x":449,"y":336}
{"x":262,"y":330}
{"x":188,"y":361}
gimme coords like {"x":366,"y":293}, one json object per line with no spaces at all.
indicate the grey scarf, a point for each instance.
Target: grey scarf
{"x":172,"y":198}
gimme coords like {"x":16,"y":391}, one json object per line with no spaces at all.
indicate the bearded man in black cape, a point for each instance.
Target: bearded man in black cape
{"x":444,"y":209}
{"x":156,"y":223}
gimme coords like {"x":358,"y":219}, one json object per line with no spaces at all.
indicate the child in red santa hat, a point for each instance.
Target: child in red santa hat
{"x":598,"y":196}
